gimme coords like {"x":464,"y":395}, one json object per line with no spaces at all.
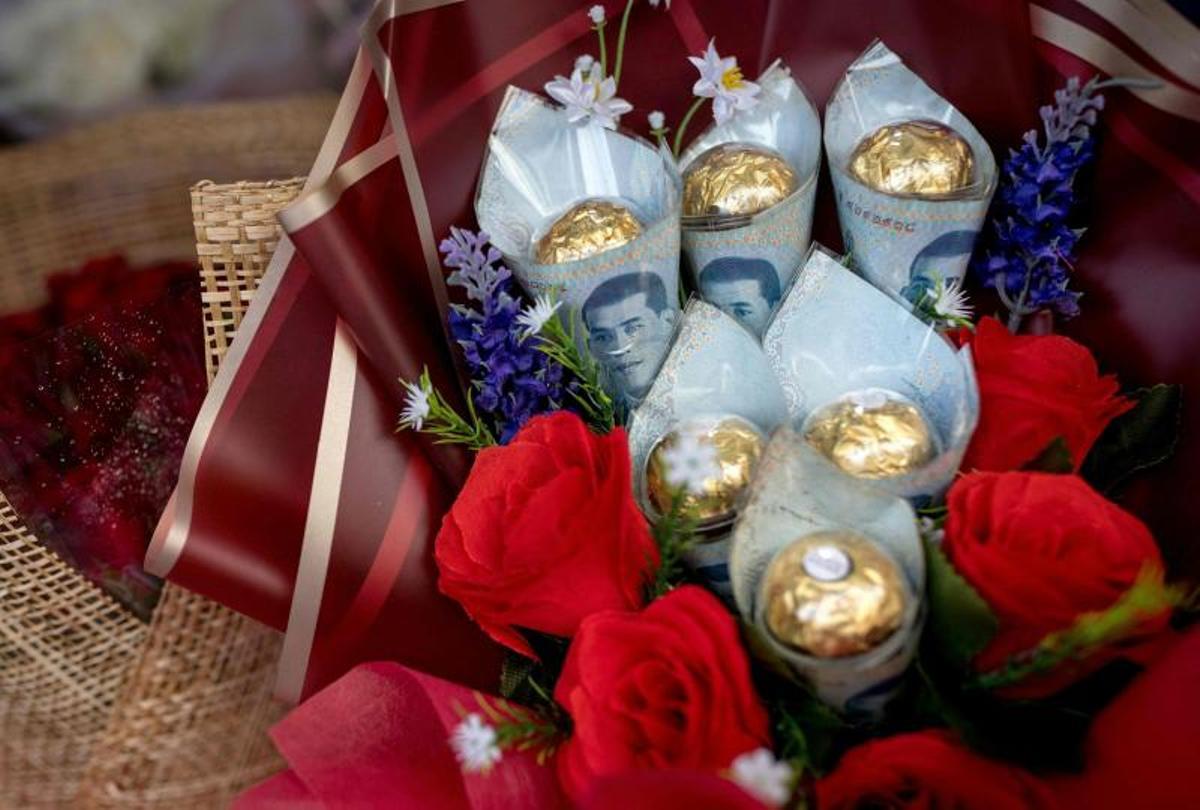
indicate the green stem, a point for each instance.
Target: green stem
{"x":683,"y":125}
{"x":603,"y":49}
{"x":621,"y":43}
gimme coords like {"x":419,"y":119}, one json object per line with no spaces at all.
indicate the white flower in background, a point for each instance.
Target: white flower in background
{"x":761,"y":775}
{"x":474,"y":744}
{"x":949,"y":303}
{"x":721,"y":80}
{"x":666,"y":4}
{"x":534,"y":317}
{"x":584,"y":62}
{"x":657,"y":120}
{"x":416,"y":406}
{"x":71,"y":58}
{"x":596,"y":13}
{"x":589,"y":96}
{"x":690,"y":463}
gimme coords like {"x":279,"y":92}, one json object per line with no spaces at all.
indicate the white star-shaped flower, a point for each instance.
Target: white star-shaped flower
{"x":589,"y":96}
{"x":416,"y":406}
{"x":690,"y":463}
{"x":950,"y":304}
{"x":596,"y":13}
{"x":584,"y":62}
{"x":761,"y":775}
{"x":721,"y":80}
{"x":534,"y":317}
{"x":474,"y":744}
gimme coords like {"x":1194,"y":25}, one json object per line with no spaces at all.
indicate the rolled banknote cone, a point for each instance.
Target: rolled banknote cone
{"x":833,"y":594}
{"x":736,"y":179}
{"x":735,"y":445}
{"x":922,"y":158}
{"x":585,"y":229}
{"x":872,"y":434}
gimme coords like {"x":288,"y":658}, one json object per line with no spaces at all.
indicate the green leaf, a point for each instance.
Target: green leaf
{"x":1055,"y":458}
{"x":1136,"y":440}
{"x":960,"y":621}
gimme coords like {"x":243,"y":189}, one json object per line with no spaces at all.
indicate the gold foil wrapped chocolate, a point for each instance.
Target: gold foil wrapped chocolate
{"x":833,"y":594}
{"x":922,"y":158}
{"x":738,"y":445}
{"x":587,"y":228}
{"x":871,"y":435}
{"x":736,"y":179}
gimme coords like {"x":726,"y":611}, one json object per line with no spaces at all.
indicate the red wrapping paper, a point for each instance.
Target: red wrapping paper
{"x":299,"y":507}
{"x":379,"y":738}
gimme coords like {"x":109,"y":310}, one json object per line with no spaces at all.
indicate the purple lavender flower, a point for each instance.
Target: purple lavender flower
{"x":511,"y":381}
{"x":1030,"y":247}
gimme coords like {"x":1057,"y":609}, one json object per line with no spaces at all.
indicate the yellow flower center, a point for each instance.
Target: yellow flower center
{"x":732,"y":79}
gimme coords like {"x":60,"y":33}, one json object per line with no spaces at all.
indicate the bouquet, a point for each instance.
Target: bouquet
{"x":633,"y":492}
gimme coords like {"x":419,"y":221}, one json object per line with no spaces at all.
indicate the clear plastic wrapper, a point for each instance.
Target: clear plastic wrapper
{"x":715,"y":373}
{"x":744,"y":263}
{"x":837,"y":338}
{"x":539,"y":166}
{"x":795,"y":495}
{"x":902,"y":243}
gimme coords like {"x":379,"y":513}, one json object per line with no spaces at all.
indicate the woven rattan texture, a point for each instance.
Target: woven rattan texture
{"x":236,"y":233}
{"x":97,"y":709}
{"x":64,"y":649}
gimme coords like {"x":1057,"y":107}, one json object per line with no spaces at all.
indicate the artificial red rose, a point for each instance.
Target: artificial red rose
{"x":546,"y":532}
{"x":1034,"y":389}
{"x":1142,"y":749}
{"x":660,"y":790}
{"x":665,"y":688}
{"x":928,"y":769}
{"x":1042,"y":549}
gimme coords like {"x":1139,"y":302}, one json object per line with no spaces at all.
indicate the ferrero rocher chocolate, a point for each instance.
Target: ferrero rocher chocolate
{"x":587,"y":228}
{"x":736,"y":179}
{"x":832,"y":594}
{"x":871,"y":434}
{"x":738,"y":444}
{"x":923,"y":158}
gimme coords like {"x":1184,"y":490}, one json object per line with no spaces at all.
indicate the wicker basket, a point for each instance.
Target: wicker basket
{"x":97,"y":709}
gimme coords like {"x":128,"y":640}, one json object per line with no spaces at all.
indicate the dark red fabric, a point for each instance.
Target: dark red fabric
{"x":659,"y":790}
{"x":1142,"y":750}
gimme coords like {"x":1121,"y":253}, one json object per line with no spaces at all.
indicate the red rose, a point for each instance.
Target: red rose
{"x":545,"y":532}
{"x":1041,"y":549}
{"x":665,"y":688}
{"x":1142,"y":750}
{"x":1034,"y":389}
{"x":661,"y":790}
{"x":928,"y":769}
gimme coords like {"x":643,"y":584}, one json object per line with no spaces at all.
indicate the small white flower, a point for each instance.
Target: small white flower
{"x":657,"y":120}
{"x":474,"y":744}
{"x":666,"y":4}
{"x":534,"y":317}
{"x":597,"y":14}
{"x":416,"y":406}
{"x":584,"y":62}
{"x":691,"y":463}
{"x":589,"y":96}
{"x":950,"y":303}
{"x":721,"y":80}
{"x":929,"y":530}
{"x":761,"y":775}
